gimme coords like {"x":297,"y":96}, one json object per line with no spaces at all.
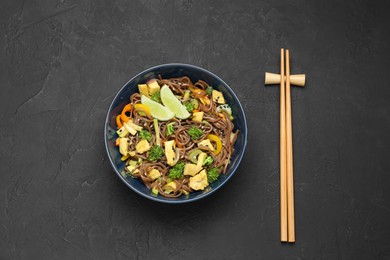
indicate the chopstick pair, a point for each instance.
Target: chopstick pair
{"x":287,"y":214}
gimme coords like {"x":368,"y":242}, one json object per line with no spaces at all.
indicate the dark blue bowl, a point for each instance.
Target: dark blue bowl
{"x":170,"y":71}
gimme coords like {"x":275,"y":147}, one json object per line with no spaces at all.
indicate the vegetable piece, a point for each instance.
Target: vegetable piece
{"x":153,"y":86}
{"x":186,"y":95}
{"x":125,"y":157}
{"x":193,"y":154}
{"x":154,"y":174}
{"x":189,"y":106}
{"x":195,"y":132}
{"x":212,"y":175}
{"x":156,"y":97}
{"x":118,"y":120}
{"x":142,"y":108}
{"x":126,"y":110}
{"x":170,"y":129}
{"x":143,"y":134}
{"x":195,"y":103}
{"x":206,"y":143}
{"x":224,"y":107}
{"x":191,"y":169}
{"x":155,"y":153}
{"x":217,"y":141}
{"x":170,"y":152}
{"x":122,"y":132}
{"x":176,"y":171}
{"x":209,"y":90}
{"x":123,"y":146}
{"x":197,"y":116}
{"x":133,"y":163}
{"x":205,"y":100}
{"x":209,"y":160}
{"x":129,"y":128}
{"x":143,"y":89}
{"x":197,"y":92}
{"x":155,"y":191}
{"x":199,"y":181}
{"x":169,"y":187}
{"x":201,"y":159}
{"x":218,"y":97}
{"x":132,"y":169}
{"x":142,"y":146}
{"x":157,"y":130}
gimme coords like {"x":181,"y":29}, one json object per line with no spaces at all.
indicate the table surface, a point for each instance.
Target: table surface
{"x":62,"y":62}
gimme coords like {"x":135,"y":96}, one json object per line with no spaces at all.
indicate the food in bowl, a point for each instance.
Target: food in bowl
{"x":176,"y":136}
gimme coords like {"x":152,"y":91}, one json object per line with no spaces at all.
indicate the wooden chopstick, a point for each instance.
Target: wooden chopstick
{"x":283,"y":154}
{"x":289,"y":168}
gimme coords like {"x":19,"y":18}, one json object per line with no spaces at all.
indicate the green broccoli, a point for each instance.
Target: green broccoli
{"x":209,"y":160}
{"x":155,"y":153}
{"x":212,"y":175}
{"x":170,"y":129}
{"x":156,"y":97}
{"x":195,"y":133}
{"x":176,"y":171}
{"x":190,"y":106}
{"x":143,"y":134}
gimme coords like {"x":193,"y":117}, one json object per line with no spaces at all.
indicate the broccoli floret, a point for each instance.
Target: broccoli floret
{"x":212,"y":175}
{"x":155,"y":153}
{"x":176,"y":171}
{"x":143,"y":134}
{"x":170,"y":129}
{"x":209,"y":90}
{"x":195,"y":132}
{"x":189,"y":106}
{"x":209,"y":160}
{"x":156,"y":97}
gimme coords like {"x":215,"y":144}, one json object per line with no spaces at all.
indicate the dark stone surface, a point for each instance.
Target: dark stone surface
{"x":63,"y":61}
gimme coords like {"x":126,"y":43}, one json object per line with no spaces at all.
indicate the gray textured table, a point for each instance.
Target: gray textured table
{"x":62,"y":63}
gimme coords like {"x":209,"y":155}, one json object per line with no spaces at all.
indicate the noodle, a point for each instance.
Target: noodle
{"x":215,"y":123}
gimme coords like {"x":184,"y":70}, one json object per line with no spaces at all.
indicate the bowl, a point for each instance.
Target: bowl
{"x":169,"y":71}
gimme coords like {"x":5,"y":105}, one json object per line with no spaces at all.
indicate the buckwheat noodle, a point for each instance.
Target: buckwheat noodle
{"x":215,"y":123}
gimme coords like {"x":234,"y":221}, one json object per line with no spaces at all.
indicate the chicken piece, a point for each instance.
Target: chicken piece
{"x":142,"y":146}
{"x":199,"y":181}
{"x":191,"y":169}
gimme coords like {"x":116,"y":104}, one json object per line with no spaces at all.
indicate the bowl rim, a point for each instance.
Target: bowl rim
{"x":201,"y":196}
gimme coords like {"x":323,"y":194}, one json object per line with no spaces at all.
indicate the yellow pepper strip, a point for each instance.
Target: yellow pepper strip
{"x":142,"y":108}
{"x":197,"y":93}
{"x":126,"y":109}
{"x":217,"y":141}
{"x":118,"y":121}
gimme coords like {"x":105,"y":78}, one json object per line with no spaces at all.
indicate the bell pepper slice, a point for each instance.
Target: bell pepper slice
{"x":118,"y":121}
{"x":217,"y":141}
{"x":142,"y":108}
{"x":126,"y":109}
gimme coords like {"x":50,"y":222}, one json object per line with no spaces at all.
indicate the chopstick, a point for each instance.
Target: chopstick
{"x":287,"y":215}
{"x":289,"y":168}
{"x":283,"y":154}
